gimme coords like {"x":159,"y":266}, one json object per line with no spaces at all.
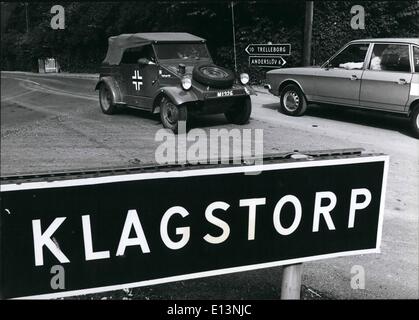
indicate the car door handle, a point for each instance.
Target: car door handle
{"x":402,"y":81}
{"x":354,"y":77}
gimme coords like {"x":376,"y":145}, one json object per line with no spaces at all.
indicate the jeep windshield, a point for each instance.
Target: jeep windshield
{"x":181,"y":51}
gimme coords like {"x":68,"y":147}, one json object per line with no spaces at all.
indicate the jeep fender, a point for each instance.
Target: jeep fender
{"x":176,"y":94}
{"x":113,"y":86}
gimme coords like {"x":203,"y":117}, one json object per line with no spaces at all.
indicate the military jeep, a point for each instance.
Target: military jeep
{"x":171,"y":74}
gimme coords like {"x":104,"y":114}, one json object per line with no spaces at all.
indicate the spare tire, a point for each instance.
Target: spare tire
{"x":213,"y":76}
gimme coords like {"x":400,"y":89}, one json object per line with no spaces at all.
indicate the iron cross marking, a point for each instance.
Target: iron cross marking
{"x":137,"y":80}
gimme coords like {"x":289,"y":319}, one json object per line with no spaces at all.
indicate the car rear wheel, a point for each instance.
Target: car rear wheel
{"x":414,"y":121}
{"x":105,"y":99}
{"x":240,"y":114}
{"x":293,"y":102}
{"x":171,"y":115}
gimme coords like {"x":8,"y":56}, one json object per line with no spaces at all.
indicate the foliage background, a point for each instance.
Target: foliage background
{"x":82,"y":45}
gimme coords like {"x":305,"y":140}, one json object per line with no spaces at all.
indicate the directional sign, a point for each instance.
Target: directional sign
{"x":267,"y":62}
{"x":63,"y":236}
{"x":269,"y":49}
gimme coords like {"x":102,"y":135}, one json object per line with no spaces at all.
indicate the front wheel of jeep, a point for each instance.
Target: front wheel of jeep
{"x":171,"y":115}
{"x":240,"y":114}
{"x":105,"y":100}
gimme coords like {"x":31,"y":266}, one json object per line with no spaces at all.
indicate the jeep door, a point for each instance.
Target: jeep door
{"x":386,"y":82}
{"x":140,"y":80}
{"x":339,"y":80}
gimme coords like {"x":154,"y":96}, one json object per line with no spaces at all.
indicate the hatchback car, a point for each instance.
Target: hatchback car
{"x":376,"y":74}
{"x":172,"y":74}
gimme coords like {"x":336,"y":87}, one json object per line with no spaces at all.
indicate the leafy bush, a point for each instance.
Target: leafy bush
{"x":82,"y":45}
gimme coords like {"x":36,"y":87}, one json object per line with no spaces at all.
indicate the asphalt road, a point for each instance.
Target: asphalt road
{"x":53,"y":122}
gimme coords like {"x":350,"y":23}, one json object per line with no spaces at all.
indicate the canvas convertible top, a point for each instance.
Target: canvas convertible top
{"x":118,"y":44}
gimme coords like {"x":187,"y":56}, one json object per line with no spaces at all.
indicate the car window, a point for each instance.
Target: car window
{"x":416,"y":58}
{"x":352,"y":57}
{"x":390,"y":57}
{"x":132,"y":55}
{"x":184,"y":51}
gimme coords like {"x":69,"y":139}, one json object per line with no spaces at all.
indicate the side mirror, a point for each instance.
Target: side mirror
{"x":144,"y":61}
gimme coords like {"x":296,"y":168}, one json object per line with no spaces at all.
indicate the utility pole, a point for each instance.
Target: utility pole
{"x":27,"y":19}
{"x":234,"y":36}
{"x":308,"y":30}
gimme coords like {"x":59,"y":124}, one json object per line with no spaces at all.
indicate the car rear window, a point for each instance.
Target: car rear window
{"x":390,"y":57}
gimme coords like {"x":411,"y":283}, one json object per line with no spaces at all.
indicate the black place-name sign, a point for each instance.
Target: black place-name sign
{"x":129,"y":230}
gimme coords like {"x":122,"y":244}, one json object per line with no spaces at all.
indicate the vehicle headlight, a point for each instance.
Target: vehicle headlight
{"x":186,"y":83}
{"x":244,"y":78}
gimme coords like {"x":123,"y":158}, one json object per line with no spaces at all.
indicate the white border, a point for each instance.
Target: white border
{"x":203,"y":172}
{"x":187,"y":173}
{"x":195,"y":275}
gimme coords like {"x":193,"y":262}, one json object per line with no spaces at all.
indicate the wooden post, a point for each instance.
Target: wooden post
{"x":308,"y":30}
{"x":291,"y":282}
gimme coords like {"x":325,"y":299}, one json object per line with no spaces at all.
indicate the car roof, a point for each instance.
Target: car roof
{"x":157,"y":37}
{"x":118,"y":44}
{"x":391,"y":40}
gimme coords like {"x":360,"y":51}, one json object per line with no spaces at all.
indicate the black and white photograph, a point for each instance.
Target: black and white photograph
{"x":198,"y":151}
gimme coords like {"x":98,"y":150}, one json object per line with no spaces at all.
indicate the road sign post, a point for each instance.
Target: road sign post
{"x":291,"y":282}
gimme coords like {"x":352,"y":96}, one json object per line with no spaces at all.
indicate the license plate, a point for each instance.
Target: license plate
{"x":226,"y":93}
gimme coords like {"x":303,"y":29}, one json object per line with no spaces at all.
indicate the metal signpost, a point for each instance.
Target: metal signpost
{"x":130,"y":227}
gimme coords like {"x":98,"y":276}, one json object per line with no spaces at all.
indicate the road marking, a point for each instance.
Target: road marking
{"x":46,"y":89}
{"x":22,"y":79}
{"x":17,"y":95}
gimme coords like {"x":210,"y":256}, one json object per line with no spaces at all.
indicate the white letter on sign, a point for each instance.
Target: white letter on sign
{"x":218,"y":222}
{"x":88,"y":246}
{"x":132,"y":220}
{"x":252,"y":203}
{"x":277,"y":215}
{"x":184,"y":231}
{"x":358,"y":205}
{"x":40,"y":240}
{"x":325,"y":211}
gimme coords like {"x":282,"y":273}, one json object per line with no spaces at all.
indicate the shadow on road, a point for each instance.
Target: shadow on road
{"x":201,"y":121}
{"x":369,"y":118}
